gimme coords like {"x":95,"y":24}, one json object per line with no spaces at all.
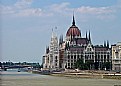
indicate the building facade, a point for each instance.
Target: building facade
{"x":51,"y":57}
{"x":76,"y":47}
{"x":116,"y":57}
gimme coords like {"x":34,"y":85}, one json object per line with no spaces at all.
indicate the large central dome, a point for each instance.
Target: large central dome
{"x":73,"y":30}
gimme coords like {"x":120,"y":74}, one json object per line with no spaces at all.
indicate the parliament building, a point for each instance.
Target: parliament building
{"x":64,"y":53}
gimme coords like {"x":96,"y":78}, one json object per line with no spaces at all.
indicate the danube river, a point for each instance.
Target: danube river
{"x":14,"y":78}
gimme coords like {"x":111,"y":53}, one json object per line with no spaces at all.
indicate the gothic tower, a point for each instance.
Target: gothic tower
{"x":54,"y":52}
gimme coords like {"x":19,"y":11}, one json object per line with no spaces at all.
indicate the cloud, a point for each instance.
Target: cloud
{"x":30,"y":12}
{"x":59,"y":7}
{"x":64,"y":7}
{"x":24,"y":8}
{"x":6,"y":10}
{"x":21,"y":8}
{"x":23,"y":3}
{"x":94,"y":10}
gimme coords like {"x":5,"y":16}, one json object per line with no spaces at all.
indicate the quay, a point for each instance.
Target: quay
{"x":82,"y":74}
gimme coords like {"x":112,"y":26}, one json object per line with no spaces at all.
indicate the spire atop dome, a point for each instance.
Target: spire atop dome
{"x":73,"y":31}
{"x":73,"y":23}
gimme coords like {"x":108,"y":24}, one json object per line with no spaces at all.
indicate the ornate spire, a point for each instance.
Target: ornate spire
{"x":73,"y":23}
{"x":86,"y":34}
{"x":107,"y":44}
{"x":53,"y":32}
{"x":47,"y":49}
{"x":89,"y":37}
{"x":61,"y":39}
{"x":104,"y":43}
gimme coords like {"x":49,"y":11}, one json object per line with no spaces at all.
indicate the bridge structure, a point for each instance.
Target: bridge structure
{"x":15,"y":67}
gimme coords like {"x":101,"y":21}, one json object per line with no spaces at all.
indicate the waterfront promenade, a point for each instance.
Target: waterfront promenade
{"x":14,"y":78}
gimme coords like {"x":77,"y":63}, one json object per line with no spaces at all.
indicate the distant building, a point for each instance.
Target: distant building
{"x":116,"y":57}
{"x":67,"y":52}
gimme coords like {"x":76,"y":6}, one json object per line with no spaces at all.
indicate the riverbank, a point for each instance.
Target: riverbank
{"x":85,"y":74}
{"x":15,"y":78}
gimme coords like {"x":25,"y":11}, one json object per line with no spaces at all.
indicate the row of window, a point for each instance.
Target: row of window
{"x":90,"y":52}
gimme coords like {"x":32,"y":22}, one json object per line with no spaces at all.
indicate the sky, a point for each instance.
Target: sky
{"x":26,"y":25}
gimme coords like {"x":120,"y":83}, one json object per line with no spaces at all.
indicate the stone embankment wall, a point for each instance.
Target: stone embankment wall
{"x":112,"y":77}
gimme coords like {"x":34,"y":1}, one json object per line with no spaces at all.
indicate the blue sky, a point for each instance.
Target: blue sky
{"x":26,"y":25}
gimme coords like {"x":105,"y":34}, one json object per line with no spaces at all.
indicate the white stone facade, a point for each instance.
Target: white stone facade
{"x":51,"y":59}
{"x":116,"y":57}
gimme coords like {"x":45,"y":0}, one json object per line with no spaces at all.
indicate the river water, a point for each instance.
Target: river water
{"x":14,"y":78}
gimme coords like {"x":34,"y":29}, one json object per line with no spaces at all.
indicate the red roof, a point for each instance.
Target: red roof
{"x":73,"y":31}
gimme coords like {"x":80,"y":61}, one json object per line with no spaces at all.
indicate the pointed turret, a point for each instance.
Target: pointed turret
{"x":107,"y":44}
{"x":86,"y":35}
{"x":73,"y":23}
{"x":89,"y":37}
{"x":61,"y":39}
{"x":67,"y":46}
{"x":104,"y":43}
{"x":52,"y":34}
{"x":47,"y":49}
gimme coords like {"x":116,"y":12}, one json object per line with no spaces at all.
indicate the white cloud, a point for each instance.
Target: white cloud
{"x":94,"y":10}
{"x":106,"y":17}
{"x":64,"y":7}
{"x":23,"y":8}
{"x":6,"y":10}
{"x":23,"y":4}
{"x":30,"y":12}
{"x":59,"y":7}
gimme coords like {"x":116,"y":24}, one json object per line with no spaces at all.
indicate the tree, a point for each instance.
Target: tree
{"x":83,"y":66}
{"x":80,"y":64}
{"x":107,"y":65}
{"x":88,"y":64}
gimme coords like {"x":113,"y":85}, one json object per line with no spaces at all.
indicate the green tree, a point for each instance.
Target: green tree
{"x":80,"y":64}
{"x":107,"y":65}
{"x":83,"y":66}
{"x":88,"y":64}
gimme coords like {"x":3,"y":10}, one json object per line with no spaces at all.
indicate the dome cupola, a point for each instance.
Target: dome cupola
{"x":73,"y":30}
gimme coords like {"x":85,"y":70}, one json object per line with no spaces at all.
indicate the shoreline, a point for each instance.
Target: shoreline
{"x":93,"y":75}
{"x":28,"y":79}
